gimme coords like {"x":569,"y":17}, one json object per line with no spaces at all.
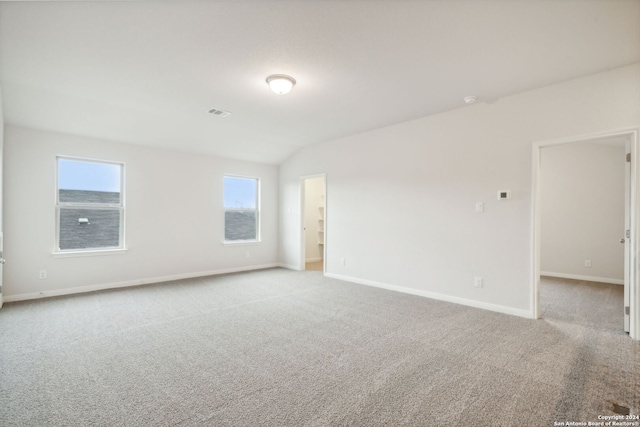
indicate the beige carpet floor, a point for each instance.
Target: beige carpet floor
{"x":284,"y":348}
{"x":591,"y":304}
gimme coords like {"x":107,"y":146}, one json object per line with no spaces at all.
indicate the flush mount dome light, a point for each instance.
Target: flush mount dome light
{"x":470,"y":99}
{"x":280,"y":83}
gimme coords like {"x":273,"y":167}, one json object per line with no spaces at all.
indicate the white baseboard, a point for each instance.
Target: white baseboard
{"x":290,"y":267}
{"x":160,"y":279}
{"x":441,"y":297}
{"x":585,"y":278}
{"x":129,"y":283}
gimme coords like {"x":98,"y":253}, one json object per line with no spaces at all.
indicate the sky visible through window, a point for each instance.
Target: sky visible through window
{"x":240,"y":192}
{"x":79,"y":175}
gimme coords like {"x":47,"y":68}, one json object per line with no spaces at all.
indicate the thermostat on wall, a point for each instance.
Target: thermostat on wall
{"x":504,"y":195}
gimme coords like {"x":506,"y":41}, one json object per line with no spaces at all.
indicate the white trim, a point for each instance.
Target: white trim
{"x":290,"y":266}
{"x":241,"y":242}
{"x":634,"y":273}
{"x":585,"y":278}
{"x":1,"y":240}
{"x":89,"y":252}
{"x":441,"y":297}
{"x":130,"y":283}
{"x":535,"y":231}
{"x":634,"y":227}
{"x":587,"y":138}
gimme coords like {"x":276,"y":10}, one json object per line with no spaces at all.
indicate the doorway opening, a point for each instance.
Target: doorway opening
{"x":585,"y":238}
{"x":313,"y":218}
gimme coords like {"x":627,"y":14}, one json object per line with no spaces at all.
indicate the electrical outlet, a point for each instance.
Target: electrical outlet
{"x":587,"y":263}
{"x":479,"y":207}
{"x":478,"y":282}
{"x":343,"y":261}
{"x":43,"y":274}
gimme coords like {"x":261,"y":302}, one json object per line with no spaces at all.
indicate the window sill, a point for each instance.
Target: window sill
{"x":241,"y":243}
{"x":93,"y":252}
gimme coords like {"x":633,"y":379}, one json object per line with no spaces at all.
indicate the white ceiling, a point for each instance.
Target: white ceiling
{"x":148,"y":72}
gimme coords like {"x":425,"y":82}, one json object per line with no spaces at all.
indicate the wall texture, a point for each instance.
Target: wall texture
{"x":1,"y":188}
{"x":401,"y":199}
{"x":173,"y":216}
{"x":582,"y":211}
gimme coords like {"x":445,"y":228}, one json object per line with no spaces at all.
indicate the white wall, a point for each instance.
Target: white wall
{"x":1,"y":156}
{"x":1,"y":161}
{"x":174,"y":216}
{"x":1,"y":187}
{"x":582,"y":211}
{"x":314,"y":198}
{"x":401,"y":199}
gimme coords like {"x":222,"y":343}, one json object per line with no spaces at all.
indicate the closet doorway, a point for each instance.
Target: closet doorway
{"x":313,"y":215}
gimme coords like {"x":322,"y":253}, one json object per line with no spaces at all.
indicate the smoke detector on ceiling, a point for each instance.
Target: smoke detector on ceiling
{"x":470,"y":99}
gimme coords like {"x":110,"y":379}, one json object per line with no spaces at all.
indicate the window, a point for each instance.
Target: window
{"x":89,"y":205}
{"x":241,"y":209}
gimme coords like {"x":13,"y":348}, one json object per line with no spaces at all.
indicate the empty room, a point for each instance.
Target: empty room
{"x":320,"y":213}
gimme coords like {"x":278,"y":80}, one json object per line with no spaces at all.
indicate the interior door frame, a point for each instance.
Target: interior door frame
{"x":634,"y":208}
{"x":1,"y":255}
{"x":628,"y":261}
{"x":303,"y":248}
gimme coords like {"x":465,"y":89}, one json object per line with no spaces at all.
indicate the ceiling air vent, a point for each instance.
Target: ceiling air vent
{"x":219,"y":113}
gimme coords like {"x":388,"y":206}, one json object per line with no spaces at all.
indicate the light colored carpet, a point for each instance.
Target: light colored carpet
{"x":592,"y":304}
{"x":285,"y":348}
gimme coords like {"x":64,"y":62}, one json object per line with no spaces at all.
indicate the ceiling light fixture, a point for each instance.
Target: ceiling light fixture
{"x":470,"y":99}
{"x":280,"y":83}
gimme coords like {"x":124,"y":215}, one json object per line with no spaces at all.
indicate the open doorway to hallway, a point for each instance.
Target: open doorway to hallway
{"x":584,"y":215}
{"x":579,"y":302}
{"x":313,"y":222}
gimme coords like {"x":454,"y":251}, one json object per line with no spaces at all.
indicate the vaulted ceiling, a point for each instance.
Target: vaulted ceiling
{"x":148,"y":72}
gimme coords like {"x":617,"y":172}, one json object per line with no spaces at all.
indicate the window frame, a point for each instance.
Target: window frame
{"x":95,"y":206}
{"x":257,"y":210}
